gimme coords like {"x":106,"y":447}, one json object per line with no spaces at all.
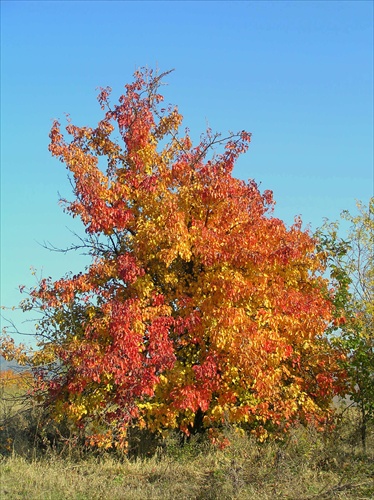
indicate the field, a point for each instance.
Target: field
{"x":308,"y":465}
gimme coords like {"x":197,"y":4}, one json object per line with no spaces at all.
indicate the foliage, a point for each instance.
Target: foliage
{"x":17,"y":381}
{"x":199,"y":306}
{"x":351,"y":264}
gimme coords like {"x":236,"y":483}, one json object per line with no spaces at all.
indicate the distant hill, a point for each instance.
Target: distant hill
{"x":8,"y":365}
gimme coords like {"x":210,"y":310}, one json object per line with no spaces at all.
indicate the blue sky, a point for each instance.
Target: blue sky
{"x":298,"y":75}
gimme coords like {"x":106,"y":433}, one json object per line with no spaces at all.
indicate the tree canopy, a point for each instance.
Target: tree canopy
{"x":199,"y":307}
{"x":351,"y":264}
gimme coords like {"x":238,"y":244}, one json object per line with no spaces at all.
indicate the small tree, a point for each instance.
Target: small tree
{"x":198,"y":307}
{"x":351,"y":262}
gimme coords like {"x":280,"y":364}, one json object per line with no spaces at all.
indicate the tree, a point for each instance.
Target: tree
{"x":351,"y":263}
{"x":199,"y":306}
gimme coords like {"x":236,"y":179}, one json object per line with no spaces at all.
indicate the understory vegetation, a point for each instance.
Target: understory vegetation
{"x":307,"y":465}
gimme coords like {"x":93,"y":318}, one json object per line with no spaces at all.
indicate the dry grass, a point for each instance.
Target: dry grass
{"x":308,"y":466}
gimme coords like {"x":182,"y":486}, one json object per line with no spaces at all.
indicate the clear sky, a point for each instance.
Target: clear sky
{"x":298,"y":75}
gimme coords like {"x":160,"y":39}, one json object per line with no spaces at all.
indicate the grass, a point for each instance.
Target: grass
{"x":305,"y":468}
{"x":309,"y":465}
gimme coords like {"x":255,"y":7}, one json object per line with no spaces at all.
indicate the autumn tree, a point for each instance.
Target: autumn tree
{"x":199,"y":306}
{"x":351,"y":264}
